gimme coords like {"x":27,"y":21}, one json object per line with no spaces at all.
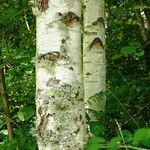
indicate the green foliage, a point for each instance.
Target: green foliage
{"x":114,"y":143}
{"x":94,"y":143}
{"x":127,"y":135}
{"x":133,"y":49}
{"x":97,"y":129}
{"x":142,"y":136}
{"x":25,"y":140}
{"x":127,"y":82}
{"x":17,"y":44}
{"x":117,"y":56}
{"x":128,"y":50}
{"x":25,"y":113}
{"x":9,"y":145}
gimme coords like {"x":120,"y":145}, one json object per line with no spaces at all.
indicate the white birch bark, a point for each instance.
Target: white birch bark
{"x":94,"y":63}
{"x":61,"y":123}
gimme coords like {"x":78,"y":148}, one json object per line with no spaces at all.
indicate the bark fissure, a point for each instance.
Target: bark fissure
{"x":42,"y":5}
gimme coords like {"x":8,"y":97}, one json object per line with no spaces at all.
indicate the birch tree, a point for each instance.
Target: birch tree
{"x":61,"y":123}
{"x":94,"y":63}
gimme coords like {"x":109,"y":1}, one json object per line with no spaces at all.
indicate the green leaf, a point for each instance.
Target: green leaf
{"x":130,"y":21}
{"x":146,"y":142}
{"x":127,"y":135}
{"x":26,"y":113}
{"x":114,"y":143}
{"x":5,"y":132}
{"x":8,"y":145}
{"x":94,"y":143}
{"x":135,"y":44}
{"x":96,"y":128}
{"x":128,"y":50}
{"x":142,"y":136}
{"x":141,"y":53}
{"x":116,"y":56}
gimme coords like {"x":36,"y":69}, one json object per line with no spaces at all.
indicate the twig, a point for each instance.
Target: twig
{"x":124,"y":108}
{"x":104,"y":146}
{"x":26,"y":21}
{"x":10,"y":120}
{"x":121,"y":134}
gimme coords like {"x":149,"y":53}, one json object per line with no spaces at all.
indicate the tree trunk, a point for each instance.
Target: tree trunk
{"x":143,"y":17}
{"x":94,"y":63}
{"x":61,"y":122}
{"x":4,"y":97}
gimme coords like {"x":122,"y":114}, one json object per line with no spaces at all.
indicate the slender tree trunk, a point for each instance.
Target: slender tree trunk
{"x":94,"y":63}
{"x":61,"y":122}
{"x":4,"y":98}
{"x":143,"y":17}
